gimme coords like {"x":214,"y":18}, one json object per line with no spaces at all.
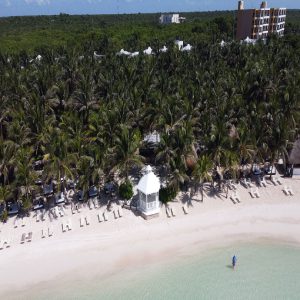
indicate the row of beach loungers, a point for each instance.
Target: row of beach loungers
{"x":66,"y":226}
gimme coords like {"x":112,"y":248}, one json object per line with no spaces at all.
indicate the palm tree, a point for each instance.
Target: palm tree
{"x":126,"y":155}
{"x":202,"y":172}
{"x":25,"y":176}
{"x":7,"y":159}
{"x":59,"y":161}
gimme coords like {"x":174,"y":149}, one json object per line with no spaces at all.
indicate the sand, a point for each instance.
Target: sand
{"x":102,"y":249}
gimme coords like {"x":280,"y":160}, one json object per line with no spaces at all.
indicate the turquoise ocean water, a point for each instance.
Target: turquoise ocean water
{"x":263,"y":272}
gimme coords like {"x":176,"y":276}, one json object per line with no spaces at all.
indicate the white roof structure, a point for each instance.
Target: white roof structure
{"x":179,"y":44}
{"x":222,"y":44}
{"x":133,"y":54}
{"x":148,"y":51}
{"x":96,"y":55}
{"x":39,"y":58}
{"x":149,"y":183}
{"x":164,"y":49}
{"x":187,"y":48}
{"x":123,"y":52}
{"x":153,"y":137}
{"x":247,"y":40}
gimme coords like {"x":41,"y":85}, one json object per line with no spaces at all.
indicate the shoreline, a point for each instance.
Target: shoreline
{"x":103,"y":250}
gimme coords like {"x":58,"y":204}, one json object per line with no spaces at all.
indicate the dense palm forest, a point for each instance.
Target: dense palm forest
{"x":83,"y":117}
{"x":122,"y":31}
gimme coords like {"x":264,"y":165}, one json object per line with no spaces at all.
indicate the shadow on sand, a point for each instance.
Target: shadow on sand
{"x":229,"y":267}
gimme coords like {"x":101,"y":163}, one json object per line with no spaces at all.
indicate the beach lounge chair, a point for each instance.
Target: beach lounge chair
{"x":7,"y":243}
{"x":50,"y":231}
{"x":249,"y":183}
{"x":63,"y":227}
{"x":43,"y":233}
{"x":237,"y":197}
{"x":87,"y":220}
{"x":23,"y":222}
{"x":29,"y":237}
{"x":23,"y":237}
{"x":277,"y":180}
{"x":82,"y":221}
{"x":54,"y":212}
{"x":291,"y":193}
{"x":61,"y":211}
{"x":69,"y":224}
{"x":286,"y":191}
{"x":173,"y":212}
{"x":168,"y":212}
{"x":116,"y":214}
{"x":95,"y":201}
{"x":4,"y":243}
{"x":232,"y":198}
{"x":90,"y":204}
{"x":105,"y":216}
{"x":16,"y":223}
{"x":252,"y":193}
{"x":185,"y":209}
{"x":263,"y":182}
{"x":100,"y":218}
{"x":273,"y":180}
{"x":256,"y":193}
{"x":244,"y":183}
{"x":120,"y":212}
{"x":37,"y":216}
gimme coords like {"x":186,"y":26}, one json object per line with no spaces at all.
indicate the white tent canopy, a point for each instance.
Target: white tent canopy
{"x":164,"y":49}
{"x":148,"y":51}
{"x":222,"y":44}
{"x":187,"y":48}
{"x":247,"y":40}
{"x":135,"y":54}
{"x":179,"y":44}
{"x":124,"y":52}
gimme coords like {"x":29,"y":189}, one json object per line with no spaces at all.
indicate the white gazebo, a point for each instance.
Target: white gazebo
{"x":148,"y":189}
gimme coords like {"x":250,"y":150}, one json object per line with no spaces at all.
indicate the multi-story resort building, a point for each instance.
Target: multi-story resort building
{"x":171,"y":18}
{"x":259,"y":23}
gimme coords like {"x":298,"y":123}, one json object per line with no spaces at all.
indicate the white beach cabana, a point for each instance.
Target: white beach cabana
{"x":38,"y":58}
{"x":187,"y":48}
{"x":222,"y":44}
{"x":179,"y":44}
{"x":148,"y":51}
{"x":148,"y":191}
{"x":124,"y":52}
{"x":248,"y":41}
{"x":134,"y":54}
{"x":164,"y":49}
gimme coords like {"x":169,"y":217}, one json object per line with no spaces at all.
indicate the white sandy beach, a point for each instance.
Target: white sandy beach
{"x":105,"y":248}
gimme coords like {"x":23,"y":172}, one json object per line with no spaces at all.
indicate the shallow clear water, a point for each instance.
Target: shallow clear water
{"x":263,"y":272}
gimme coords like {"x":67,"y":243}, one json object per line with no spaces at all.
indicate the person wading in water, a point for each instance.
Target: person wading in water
{"x":234,"y":259}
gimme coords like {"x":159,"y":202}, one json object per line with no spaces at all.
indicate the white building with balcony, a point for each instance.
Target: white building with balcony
{"x":171,"y":18}
{"x":259,"y":23}
{"x":148,"y":193}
